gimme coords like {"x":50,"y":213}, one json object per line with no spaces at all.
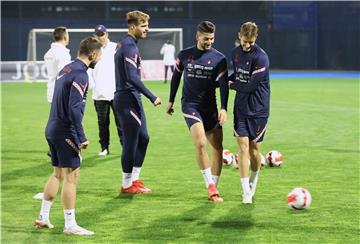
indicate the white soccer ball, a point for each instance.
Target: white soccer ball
{"x":299,"y":198}
{"x":274,"y":158}
{"x":228,"y":157}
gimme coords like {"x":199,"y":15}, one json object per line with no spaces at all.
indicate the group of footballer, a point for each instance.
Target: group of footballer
{"x":203,"y":69}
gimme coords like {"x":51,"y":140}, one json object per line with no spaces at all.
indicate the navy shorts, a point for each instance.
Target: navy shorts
{"x":64,"y":153}
{"x":207,"y":116}
{"x":254,"y":128}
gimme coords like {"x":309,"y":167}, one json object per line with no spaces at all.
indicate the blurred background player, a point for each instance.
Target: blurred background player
{"x":102,"y":78}
{"x":128,"y":104}
{"x":56,"y":58}
{"x":66,"y":137}
{"x":205,"y":69}
{"x":251,"y":107}
{"x":168,"y":52}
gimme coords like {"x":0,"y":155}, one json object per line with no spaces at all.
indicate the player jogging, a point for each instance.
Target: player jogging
{"x":128,"y":104}
{"x":204,"y":69}
{"x":251,"y":107}
{"x":66,"y":137}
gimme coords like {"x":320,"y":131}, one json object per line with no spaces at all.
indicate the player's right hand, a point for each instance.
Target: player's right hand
{"x":157,"y":101}
{"x":170,"y":109}
{"x":83,"y":145}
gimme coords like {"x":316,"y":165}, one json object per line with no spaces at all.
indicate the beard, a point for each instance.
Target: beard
{"x":92,"y":64}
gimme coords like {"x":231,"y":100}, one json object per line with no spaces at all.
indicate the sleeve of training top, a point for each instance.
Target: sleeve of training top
{"x":78,"y":90}
{"x":261,"y":68}
{"x":132,"y":75}
{"x":175,"y":79}
{"x":222,"y":79}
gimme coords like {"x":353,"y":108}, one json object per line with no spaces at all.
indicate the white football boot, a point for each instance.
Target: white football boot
{"x":77,"y":230}
{"x":41,"y":223}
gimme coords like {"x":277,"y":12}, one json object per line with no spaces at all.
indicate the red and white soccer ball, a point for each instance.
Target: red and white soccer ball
{"x":299,"y":198}
{"x":228,"y":157}
{"x":274,"y":158}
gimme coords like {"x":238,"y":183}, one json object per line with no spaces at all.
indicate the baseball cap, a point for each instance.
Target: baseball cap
{"x":100,"y":29}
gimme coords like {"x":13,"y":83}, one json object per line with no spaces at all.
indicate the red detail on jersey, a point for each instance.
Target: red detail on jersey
{"x":191,"y":58}
{"x":66,"y":69}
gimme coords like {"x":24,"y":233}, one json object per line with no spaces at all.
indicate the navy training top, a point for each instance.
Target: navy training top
{"x":68,"y":104}
{"x":251,"y":82}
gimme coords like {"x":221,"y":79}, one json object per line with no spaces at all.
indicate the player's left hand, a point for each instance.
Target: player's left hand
{"x":222,"y":117}
{"x":170,"y":109}
{"x":84,"y":145}
{"x":157,"y":101}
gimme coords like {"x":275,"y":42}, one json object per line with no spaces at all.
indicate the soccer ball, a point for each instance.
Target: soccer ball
{"x":274,"y":158}
{"x":228,"y":157}
{"x":299,"y":198}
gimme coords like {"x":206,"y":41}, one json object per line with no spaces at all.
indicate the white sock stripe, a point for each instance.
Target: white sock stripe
{"x":192,"y":117}
{"x":135,"y":117}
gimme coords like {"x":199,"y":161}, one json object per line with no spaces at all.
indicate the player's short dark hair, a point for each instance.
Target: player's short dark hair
{"x":249,"y":30}
{"x":206,"y":27}
{"x":88,"y":45}
{"x":59,"y":33}
{"x":136,"y":17}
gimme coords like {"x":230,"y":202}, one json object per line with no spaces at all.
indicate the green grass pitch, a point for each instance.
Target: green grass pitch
{"x":314,"y":123}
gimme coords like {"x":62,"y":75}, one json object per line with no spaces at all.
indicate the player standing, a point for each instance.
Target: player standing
{"x":66,"y":137}
{"x":204,"y":69}
{"x":168,"y":52}
{"x":103,"y":79}
{"x":56,"y":58}
{"x":128,"y":104}
{"x":251,"y":107}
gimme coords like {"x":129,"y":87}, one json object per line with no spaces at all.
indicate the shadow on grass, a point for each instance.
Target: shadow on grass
{"x":239,"y":218}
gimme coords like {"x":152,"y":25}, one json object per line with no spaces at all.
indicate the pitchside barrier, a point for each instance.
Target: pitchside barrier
{"x":35,"y":71}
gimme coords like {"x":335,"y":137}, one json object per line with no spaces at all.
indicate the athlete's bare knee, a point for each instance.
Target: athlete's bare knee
{"x":253,"y":152}
{"x":200,"y":145}
{"x":71,"y":175}
{"x":243,"y":147}
{"x":57,"y":174}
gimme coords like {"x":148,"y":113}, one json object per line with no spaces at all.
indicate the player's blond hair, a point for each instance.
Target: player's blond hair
{"x":136,"y":17}
{"x":249,"y":30}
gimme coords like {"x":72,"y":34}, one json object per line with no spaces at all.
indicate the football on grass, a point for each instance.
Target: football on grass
{"x":228,"y":157}
{"x":274,"y":158}
{"x":299,"y":198}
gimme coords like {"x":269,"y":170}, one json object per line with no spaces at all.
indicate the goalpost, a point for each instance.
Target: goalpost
{"x":39,"y":41}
